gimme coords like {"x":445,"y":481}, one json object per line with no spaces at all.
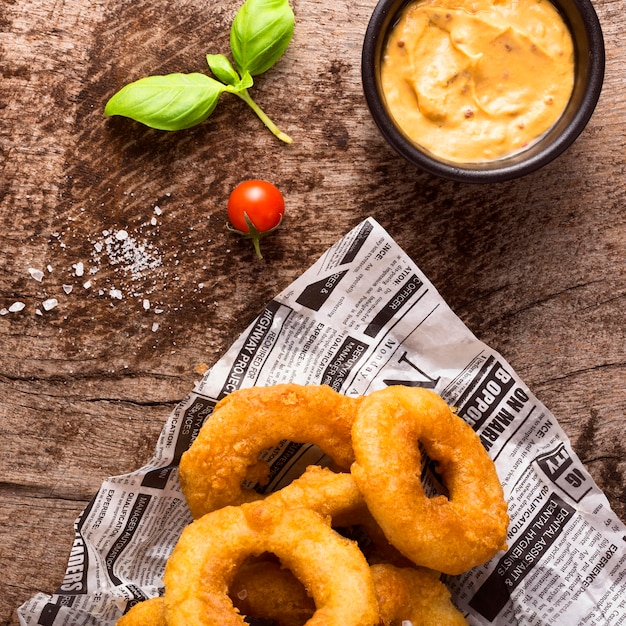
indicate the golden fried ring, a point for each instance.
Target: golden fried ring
{"x":262,"y":589}
{"x":416,"y":595}
{"x":251,"y":420}
{"x":147,"y":613}
{"x":448,"y":534}
{"x":210,"y":550}
{"x":266,"y":590}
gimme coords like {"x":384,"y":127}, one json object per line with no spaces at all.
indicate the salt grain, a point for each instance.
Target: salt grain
{"x":133,"y":257}
{"x":36,"y":274}
{"x":68,"y":289}
{"x":155,"y":327}
{"x":116,"y":294}
{"x":49,"y":304}
{"x":4,"y":311}
{"x":16,"y":307}
{"x":87,"y":284}
{"x":146,"y":304}
{"x":79,"y":268}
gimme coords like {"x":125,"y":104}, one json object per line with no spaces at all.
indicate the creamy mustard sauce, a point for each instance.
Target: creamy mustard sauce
{"x":475,"y":80}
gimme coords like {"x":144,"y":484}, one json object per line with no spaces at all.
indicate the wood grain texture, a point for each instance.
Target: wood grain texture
{"x":535,"y":267}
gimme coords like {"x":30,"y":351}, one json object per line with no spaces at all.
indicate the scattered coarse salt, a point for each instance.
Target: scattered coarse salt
{"x":155,"y":327}
{"x":16,"y":307}
{"x":36,"y":274}
{"x":153,"y":221}
{"x":49,"y":268}
{"x":157,"y":210}
{"x":87,"y":284}
{"x":146,"y":304}
{"x":116,"y":294}
{"x":129,"y":255}
{"x":68,"y":289}
{"x":49,"y":304}
{"x":79,"y":268}
{"x":4,"y":311}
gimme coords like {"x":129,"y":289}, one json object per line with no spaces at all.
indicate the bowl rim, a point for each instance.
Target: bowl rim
{"x":517,"y":166}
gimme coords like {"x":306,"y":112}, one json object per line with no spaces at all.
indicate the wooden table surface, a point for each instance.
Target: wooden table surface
{"x":535,"y":267}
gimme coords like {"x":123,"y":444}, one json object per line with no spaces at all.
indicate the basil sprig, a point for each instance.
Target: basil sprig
{"x":259,"y":36}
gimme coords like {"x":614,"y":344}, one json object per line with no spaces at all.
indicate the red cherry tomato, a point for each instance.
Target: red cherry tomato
{"x":261,"y":203}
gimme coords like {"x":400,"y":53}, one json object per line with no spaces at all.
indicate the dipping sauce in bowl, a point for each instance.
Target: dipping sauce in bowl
{"x":476,"y":80}
{"x":496,"y":89}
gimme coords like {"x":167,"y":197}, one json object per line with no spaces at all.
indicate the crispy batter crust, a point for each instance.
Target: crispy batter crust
{"x":266,"y":590}
{"x":449,"y":534}
{"x":251,"y":420}
{"x":213,"y":548}
{"x":413,"y":594}
{"x":147,"y":613}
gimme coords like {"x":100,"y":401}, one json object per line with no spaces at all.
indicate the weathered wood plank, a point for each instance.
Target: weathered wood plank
{"x":535,"y":267}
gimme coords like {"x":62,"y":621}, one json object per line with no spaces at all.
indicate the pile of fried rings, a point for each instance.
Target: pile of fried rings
{"x":288,"y":556}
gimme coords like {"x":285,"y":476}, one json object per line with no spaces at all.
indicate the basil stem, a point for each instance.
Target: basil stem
{"x":260,"y":34}
{"x":245,"y":96}
{"x":170,"y":102}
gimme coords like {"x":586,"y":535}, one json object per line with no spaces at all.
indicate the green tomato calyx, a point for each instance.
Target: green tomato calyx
{"x":253,"y":233}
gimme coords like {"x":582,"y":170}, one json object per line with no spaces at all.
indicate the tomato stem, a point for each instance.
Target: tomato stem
{"x":245,"y":96}
{"x":253,"y":233}
{"x":256,"y":241}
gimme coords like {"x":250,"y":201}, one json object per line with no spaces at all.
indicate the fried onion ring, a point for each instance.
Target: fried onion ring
{"x":251,"y":420}
{"x":211,"y":549}
{"x":295,"y":525}
{"x":413,"y":594}
{"x":448,"y":534}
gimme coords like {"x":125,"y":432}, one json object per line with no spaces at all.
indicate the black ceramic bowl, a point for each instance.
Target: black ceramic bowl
{"x":584,"y":26}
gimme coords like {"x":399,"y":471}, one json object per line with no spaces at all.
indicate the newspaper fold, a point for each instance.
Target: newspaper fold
{"x":361,"y":318}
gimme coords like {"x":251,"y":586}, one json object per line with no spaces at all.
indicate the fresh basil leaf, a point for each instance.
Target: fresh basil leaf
{"x":260,"y":34}
{"x":223,"y":69}
{"x":170,"y":102}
